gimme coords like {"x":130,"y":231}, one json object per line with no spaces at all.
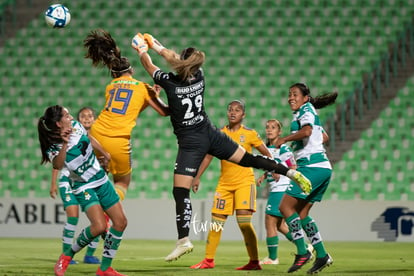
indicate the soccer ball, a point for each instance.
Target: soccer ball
{"x":57,"y":16}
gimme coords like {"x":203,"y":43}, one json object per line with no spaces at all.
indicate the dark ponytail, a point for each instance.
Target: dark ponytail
{"x":102,"y":50}
{"x":320,"y":101}
{"x":48,"y":131}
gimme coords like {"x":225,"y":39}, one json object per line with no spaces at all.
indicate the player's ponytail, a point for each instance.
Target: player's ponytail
{"x":102,"y":50}
{"x":319,"y":101}
{"x":48,"y":130}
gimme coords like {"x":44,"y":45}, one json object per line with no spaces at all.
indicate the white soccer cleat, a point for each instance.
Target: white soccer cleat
{"x":268,"y":261}
{"x":184,"y":246}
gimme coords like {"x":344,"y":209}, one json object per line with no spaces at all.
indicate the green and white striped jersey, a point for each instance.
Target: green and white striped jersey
{"x":282,"y":155}
{"x":310,"y":151}
{"x":85,"y":172}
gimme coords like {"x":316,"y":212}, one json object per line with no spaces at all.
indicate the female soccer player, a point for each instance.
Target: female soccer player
{"x":65,"y":144}
{"x":86,"y":116}
{"x":195,"y":134}
{"x":307,"y":136}
{"x":126,"y":98}
{"x":274,"y":221}
{"x":235,"y":191}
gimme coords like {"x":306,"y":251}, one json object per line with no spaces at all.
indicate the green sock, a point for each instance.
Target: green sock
{"x":312,"y":231}
{"x":111,"y":244}
{"x":90,"y":250}
{"x":272,"y":245}
{"x":84,"y":238}
{"x":69,"y":233}
{"x":288,"y":236}
{"x":295,"y":228}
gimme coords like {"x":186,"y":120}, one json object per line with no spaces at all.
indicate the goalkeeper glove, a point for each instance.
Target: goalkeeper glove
{"x":139,"y":44}
{"x":153,"y":43}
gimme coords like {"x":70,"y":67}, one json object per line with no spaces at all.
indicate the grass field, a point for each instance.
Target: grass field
{"x":146,"y":257}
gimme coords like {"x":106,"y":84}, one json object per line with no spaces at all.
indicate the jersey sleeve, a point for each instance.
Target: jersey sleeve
{"x":256,"y":139}
{"x":286,"y":155}
{"x":160,"y":77}
{"x":306,"y":118}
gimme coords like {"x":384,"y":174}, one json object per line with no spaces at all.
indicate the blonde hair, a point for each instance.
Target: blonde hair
{"x":187,"y":64}
{"x":279,"y":125}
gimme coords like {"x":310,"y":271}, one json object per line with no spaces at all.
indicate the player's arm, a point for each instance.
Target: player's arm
{"x":303,"y":133}
{"x":146,"y":62}
{"x":141,"y":46}
{"x":154,"y":44}
{"x":98,"y":147}
{"x":156,"y":102}
{"x":59,"y":161}
{"x":325,"y":137}
{"x":203,"y":166}
{"x":264,"y":150}
{"x":53,"y":184}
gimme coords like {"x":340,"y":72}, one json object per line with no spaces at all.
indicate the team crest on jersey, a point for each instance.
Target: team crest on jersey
{"x":77,"y":131}
{"x":242,"y":139}
{"x":87,"y":195}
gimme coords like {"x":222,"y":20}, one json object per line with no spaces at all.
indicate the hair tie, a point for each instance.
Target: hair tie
{"x":121,"y":71}
{"x":44,"y":124}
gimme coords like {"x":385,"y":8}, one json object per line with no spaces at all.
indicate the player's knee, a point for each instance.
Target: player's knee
{"x":120,"y":223}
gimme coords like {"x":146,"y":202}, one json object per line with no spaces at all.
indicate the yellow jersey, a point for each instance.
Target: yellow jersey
{"x":125,"y":98}
{"x":231,"y":173}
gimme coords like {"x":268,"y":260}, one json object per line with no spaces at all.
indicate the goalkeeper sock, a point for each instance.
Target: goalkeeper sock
{"x":263,"y":163}
{"x":183,"y":210}
{"x":312,"y":231}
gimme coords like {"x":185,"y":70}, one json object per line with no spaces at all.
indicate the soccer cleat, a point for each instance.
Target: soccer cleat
{"x":268,"y":261}
{"x":183,"y":246}
{"x":91,"y":260}
{"x":303,"y":182}
{"x":204,"y":264}
{"x":320,"y":263}
{"x":251,"y":265}
{"x":109,"y":272}
{"x":62,"y":264}
{"x":300,"y":260}
{"x":73,"y":262}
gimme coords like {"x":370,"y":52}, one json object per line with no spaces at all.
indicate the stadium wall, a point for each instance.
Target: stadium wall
{"x":155,"y":219}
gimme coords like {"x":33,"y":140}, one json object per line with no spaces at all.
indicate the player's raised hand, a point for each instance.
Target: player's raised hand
{"x":153,"y":43}
{"x":139,"y":44}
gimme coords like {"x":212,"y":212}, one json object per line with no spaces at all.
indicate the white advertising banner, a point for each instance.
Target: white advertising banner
{"x":155,"y":219}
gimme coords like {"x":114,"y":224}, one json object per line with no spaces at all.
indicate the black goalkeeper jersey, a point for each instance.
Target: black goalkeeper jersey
{"x":185,"y":99}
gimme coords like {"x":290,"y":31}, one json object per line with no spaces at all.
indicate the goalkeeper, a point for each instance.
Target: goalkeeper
{"x":195,"y":133}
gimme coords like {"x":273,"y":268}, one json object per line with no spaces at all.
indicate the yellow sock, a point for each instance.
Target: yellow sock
{"x":121,"y":191}
{"x":249,"y":234}
{"x":214,"y":236}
